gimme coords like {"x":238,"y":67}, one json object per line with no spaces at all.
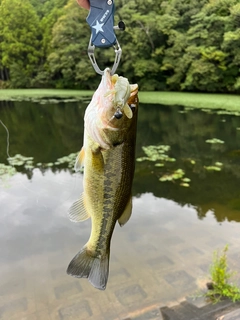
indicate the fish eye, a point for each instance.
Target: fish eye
{"x":118,"y":114}
{"x":133,"y":107}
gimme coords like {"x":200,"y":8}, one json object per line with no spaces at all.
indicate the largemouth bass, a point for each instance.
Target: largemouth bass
{"x":108,"y":157}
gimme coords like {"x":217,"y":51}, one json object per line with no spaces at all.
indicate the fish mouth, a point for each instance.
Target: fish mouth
{"x":107,"y":79}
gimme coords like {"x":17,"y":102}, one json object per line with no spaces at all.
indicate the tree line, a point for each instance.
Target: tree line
{"x":179,"y":45}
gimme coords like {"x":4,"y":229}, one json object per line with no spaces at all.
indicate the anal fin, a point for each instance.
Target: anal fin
{"x":126,"y":213}
{"x":77,"y":211}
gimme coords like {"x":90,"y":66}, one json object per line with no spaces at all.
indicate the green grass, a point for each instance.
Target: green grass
{"x":220,"y":276}
{"x":194,"y":100}
{"x":8,"y":94}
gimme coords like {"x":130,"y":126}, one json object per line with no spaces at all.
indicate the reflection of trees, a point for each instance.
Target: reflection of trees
{"x":43,"y":131}
{"x":186,"y":133}
{"x":48,"y":132}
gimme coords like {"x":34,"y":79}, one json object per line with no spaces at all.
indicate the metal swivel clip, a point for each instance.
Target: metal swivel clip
{"x":101,"y":20}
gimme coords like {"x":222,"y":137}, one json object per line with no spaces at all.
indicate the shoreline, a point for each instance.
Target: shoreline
{"x":193,"y":100}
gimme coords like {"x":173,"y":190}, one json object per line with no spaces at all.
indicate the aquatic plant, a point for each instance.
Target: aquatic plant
{"x":22,"y":163}
{"x":176,"y":175}
{"x":6,"y":172}
{"x":207,"y":110}
{"x":158,"y":153}
{"x":212,"y":168}
{"x":185,"y":184}
{"x":220,"y":277}
{"x":20,"y":160}
{"x":69,"y":160}
{"x":216,"y":167}
{"x":66,"y":160}
{"x":182,"y":111}
{"x":214,"y":140}
{"x":28,"y":162}
{"x":159,"y":165}
{"x":234,"y":113}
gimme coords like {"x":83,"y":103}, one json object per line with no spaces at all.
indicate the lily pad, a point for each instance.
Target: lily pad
{"x":6,"y":172}
{"x":171,"y":159}
{"x":166,"y":178}
{"x":186,"y":185}
{"x":177,"y":174}
{"x":212,"y":168}
{"x":159,"y":165}
{"x":50,"y":164}
{"x":214,"y":140}
{"x":234,"y":113}
{"x":156,"y":153}
{"x":20,"y":160}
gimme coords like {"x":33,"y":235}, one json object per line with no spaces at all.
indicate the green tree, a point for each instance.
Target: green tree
{"x":174,"y":24}
{"x":141,"y":43}
{"x":68,"y":61}
{"x":199,"y":55}
{"x":209,"y":68}
{"x":190,"y":45}
{"x":231,"y":44}
{"x":20,"y":41}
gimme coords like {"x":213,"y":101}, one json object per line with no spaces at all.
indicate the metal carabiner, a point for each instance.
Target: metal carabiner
{"x":118,"y":53}
{"x":101,"y":20}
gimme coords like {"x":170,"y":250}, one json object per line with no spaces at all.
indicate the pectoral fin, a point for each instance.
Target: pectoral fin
{"x":79,"y":161}
{"x":126,"y":213}
{"x":77,"y":212}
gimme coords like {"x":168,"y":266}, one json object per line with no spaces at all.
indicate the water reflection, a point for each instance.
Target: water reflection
{"x":48,"y":132}
{"x":156,"y":258}
{"x":161,"y":252}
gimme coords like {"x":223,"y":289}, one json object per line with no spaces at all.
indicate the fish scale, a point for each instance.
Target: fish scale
{"x":114,"y":200}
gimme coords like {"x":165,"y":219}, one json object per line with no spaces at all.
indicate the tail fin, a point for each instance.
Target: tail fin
{"x":83,"y":265}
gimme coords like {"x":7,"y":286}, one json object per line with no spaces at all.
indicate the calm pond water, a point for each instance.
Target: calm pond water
{"x":163,"y":252}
